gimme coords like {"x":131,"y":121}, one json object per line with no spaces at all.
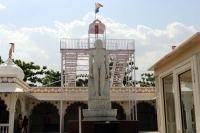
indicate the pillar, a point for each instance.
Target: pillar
{"x":12,"y":113}
{"x":189,"y":120}
{"x":63,"y":114}
{"x":127,"y":110}
{"x":11,"y":120}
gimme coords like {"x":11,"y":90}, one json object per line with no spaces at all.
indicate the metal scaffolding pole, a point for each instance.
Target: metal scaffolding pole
{"x":133,"y":79}
{"x":61,"y":93}
{"x":127,"y":85}
{"x":135,"y":88}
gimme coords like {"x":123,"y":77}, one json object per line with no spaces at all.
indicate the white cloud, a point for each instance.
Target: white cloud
{"x":41,"y":44}
{"x":2,"y":7}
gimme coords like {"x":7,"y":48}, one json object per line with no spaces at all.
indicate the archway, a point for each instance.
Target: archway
{"x":4,"y":114}
{"x":120,"y":111}
{"x":72,"y":113}
{"x":17,"y":112}
{"x":37,"y":116}
{"x":146,"y":114}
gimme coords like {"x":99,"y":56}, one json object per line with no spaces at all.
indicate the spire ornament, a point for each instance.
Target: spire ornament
{"x":11,"y":50}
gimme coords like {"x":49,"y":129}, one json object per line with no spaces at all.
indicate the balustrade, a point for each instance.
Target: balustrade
{"x":4,"y":128}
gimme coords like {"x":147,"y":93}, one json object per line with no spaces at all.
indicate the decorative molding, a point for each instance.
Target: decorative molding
{"x":16,"y":80}
{"x":7,"y":80}
{"x":83,"y":90}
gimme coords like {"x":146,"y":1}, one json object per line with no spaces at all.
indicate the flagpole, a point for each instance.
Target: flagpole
{"x":95,"y":10}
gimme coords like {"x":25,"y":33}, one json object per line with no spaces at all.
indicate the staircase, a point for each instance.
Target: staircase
{"x":70,"y":63}
{"x":119,"y":69}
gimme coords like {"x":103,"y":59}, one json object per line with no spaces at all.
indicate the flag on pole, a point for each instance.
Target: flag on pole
{"x":97,"y":6}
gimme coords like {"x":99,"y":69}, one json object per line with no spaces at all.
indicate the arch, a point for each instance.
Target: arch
{"x":72,"y":113}
{"x":152,"y":102}
{"x":146,"y":114}
{"x":4,"y":114}
{"x":37,"y":116}
{"x":120,"y":111}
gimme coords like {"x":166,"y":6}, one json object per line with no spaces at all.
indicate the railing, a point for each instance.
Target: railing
{"x":73,"y":43}
{"x":4,"y":128}
{"x":120,"y":44}
{"x":109,"y":44}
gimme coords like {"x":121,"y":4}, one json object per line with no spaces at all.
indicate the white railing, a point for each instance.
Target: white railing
{"x":120,"y":44}
{"x":73,"y":43}
{"x":109,"y":44}
{"x":4,"y":128}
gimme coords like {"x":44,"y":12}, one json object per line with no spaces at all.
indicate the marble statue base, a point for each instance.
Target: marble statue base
{"x":99,"y":109}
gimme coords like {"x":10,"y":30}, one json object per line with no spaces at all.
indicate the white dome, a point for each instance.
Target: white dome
{"x":9,"y":67}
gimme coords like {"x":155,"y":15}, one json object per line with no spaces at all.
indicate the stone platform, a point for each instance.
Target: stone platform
{"x":99,"y":107}
{"x":104,"y":126}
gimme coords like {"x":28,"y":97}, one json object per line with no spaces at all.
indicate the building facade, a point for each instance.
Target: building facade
{"x":178,"y":88}
{"x":16,"y":97}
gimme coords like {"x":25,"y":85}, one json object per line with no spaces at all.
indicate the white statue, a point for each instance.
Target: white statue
{"x":98,"y":66}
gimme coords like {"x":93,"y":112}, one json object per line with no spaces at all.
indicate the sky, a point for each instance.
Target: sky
{"x":37,"y":26}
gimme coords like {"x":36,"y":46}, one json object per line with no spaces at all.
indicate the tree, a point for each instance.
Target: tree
{"x":51,"y":78}
{"x":1,"y":61}
{"x":32,"y":72}
{"x":80,"y":82}
{"x":127,"y":81}
{"x":148,"y":80}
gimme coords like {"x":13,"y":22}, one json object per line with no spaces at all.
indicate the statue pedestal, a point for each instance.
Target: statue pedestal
{"x":99,"y":107}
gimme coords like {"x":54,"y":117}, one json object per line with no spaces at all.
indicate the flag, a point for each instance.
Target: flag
{"x":12,"y":47}
{"x":97,"y":6}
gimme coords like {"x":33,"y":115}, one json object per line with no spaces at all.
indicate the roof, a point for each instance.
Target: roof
{"x":188,"y":43}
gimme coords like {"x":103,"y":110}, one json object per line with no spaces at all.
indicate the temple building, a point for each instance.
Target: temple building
{"x":178,"y":88}
{"x":133,"y":103}
{"x":172,"y":106}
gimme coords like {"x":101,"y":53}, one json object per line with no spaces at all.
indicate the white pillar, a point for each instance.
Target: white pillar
{"x":11,"y":120}
{"x":61,"y":113}
{"x":127,"y":110}
{"x":189,"y":120}
{"x":63,"y":121}
{"x":12,"y":113}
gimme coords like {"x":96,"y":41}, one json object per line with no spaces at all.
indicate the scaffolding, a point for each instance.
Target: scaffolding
{"x":75,"y":59}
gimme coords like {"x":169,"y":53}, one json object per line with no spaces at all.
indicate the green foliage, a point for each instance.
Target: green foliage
{"x":80,"y":82}
{"x":148,"y":80}
{"x":32,"y":72}
{"x":51,"y":78}
{"x":1,"y":61}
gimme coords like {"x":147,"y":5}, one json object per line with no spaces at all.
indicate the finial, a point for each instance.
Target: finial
{"x":97,"y":21}
{"x":11,"y":50}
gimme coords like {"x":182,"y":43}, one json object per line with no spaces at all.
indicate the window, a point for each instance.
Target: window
{"x":168,"y":93}
{"x":187,"y":102}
